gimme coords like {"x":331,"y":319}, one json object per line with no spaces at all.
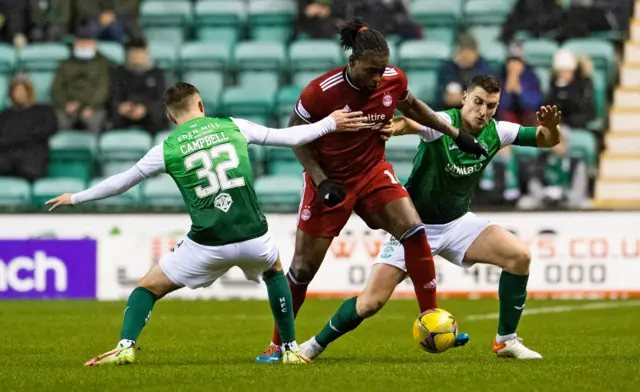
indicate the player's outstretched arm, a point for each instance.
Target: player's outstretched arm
{"x":548,"y":133}
{"x":399,"y":126}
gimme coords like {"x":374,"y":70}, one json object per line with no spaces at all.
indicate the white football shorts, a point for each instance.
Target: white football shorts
{"x":450,"y":241}
{"x":193,"y":265}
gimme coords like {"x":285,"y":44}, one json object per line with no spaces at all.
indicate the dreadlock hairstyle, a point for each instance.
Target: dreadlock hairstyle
{"x":355,"y":35}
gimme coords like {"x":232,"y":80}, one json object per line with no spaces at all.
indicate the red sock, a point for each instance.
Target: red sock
{"x":421,"y":269}
{"x":298,"y":292}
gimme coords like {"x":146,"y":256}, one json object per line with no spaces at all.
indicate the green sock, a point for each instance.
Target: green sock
{"x":282,"y":306}
{"x":137,"y":313}
{"x":345,"y":320}
{"x":513,"y":293}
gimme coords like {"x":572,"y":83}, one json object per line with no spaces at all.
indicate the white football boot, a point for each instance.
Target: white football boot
{"x":513,"y":348}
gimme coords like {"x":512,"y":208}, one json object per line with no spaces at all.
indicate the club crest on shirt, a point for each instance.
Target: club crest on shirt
{"x":387,"y":100}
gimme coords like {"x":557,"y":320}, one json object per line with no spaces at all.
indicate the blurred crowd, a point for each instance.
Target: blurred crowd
{"x":90,"y":93}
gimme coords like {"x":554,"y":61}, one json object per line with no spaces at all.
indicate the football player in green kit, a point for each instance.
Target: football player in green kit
{"x":209,"y":162}
{"x":441,"y":186}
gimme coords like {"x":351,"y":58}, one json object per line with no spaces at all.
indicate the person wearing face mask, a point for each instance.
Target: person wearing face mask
{"x":80,"y":89}
{"x":456,"y":73}
{"x":136,"y":91}
{"x":25,"y":128}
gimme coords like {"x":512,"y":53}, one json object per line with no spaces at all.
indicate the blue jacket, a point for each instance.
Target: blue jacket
{"x":531,"y":97}
{"x":449,"y":72}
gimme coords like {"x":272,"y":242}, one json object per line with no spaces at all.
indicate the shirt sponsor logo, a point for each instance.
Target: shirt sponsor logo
{"x":462,"y":171}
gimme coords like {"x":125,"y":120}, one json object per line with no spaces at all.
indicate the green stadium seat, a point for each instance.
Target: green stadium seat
{"x":210,"y":85}
{"x":112,"y":51}
{"x":525,"y":154}
{"x":486,"y":12}
{"x":204,"y":56}
{"x":599,"y":79}
{"x":283,"y":161}
{"x":442,"y":34}
{"x":423,"y":84}
{"x":279,"y":193}
{"x":42,"y":56}
{"x":260,"y":56}
{"x":14,"y":191}
{"x":302,"y":79}
{"x":261,"y":119}
{"x":601,"y":52}
{"x":166,"y":57}
{"x":219,"y":20}
{"x":494,"y":52}
{"x":315,"y":55}
{"x":256,"y":156}
{"x":402,"y":171}
{"x":162,"y":191}
{"x":111,"y":168}
{"x":286,"y":100}
{"x":544,"y":76}
{"x":129,"y":198}
{"x":583,"y":145}
{"x":429,"y":13}
{"x":42,"y":81}
{"x":48,"y":188}
{"x":71,"y":154}
{"x":423,"y":55}
{"x":268,"y":81}
{"x":4,"y":86}
{"x":402,"y":149}
{"x":161,"y":137}
{"x":158,"y":13}
{"x":242,"y":101}
{"x":485,"y":33}
{"x":393,"y":53}
{"x":271,"y":20}
{"x":539,"y":53}
{"x":8,"y":59}
{"x":124,"y":145}
{"x":170,"y":36}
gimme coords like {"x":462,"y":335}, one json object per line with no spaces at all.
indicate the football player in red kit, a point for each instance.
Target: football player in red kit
{"x":348,"y":172}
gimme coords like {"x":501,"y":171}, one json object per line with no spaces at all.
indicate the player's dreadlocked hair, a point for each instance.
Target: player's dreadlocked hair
{"x":488,"y":83}
{"x":355,"y":35}
{"x":176,"y":96}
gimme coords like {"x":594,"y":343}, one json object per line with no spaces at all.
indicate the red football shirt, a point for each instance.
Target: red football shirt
{"x":347,"y":155}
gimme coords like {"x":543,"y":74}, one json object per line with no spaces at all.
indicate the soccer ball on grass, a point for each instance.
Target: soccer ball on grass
{"x":435,"y":331}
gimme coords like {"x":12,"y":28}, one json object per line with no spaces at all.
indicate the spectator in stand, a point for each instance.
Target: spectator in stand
{"x":25,"y":128}
{"x":13,"y":22}
{"x":49,"y":19}
{"x":315,"y":18}
{"x":454,"y":74}
{"x":572,"y":89}
{"x":80,"y":89}
{"x":587,"y":16}
{"x":136,"y":91}
{"x":521,"y":96}
{"x":108,"y":20}
{"x":539,"y":18}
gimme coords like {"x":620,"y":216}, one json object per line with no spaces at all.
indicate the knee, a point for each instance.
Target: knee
{"x":303,"y":268}
{"x":368,"y":305}
{"x":520,"y":261}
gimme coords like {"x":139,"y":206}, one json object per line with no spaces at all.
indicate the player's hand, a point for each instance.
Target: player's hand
{"x":332,"y":194}
{"x":62,"y":200}
{"x":467,"y":143}
{"x":348,"y":121}
{"x":396,"y":126}
{"x":549,"y":117}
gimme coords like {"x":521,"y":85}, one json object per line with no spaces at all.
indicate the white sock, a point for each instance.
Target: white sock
{"x":290,"y":346}
{"x":502,"y":339}
{"x":126,"y":343}
{"x":315,"y":343}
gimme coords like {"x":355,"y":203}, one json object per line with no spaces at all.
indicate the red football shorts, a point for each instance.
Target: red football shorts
{"x":366,"y":195}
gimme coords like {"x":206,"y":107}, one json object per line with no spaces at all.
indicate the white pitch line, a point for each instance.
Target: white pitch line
{"x":560,"y":309}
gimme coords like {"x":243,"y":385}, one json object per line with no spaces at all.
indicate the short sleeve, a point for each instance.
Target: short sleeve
{"x":429,"y":135}
{"x":508,"y":132}
{"x":152,"y":163}
{"x":404,"y":85}
{"x":310,"y":107}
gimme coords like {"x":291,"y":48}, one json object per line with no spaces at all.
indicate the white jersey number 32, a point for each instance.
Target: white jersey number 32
{"x":217,"y":177}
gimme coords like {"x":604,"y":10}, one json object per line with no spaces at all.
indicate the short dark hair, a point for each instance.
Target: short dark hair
{"x":176,"y":97}
{"x":355,"y":35}
{"x":488,"y":83}
{"x":135,"y":43}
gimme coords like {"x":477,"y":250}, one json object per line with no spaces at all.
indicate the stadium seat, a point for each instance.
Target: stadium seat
{"x":599,"y":79}
{"x":171,"y":36}
{"x":242,"y":101}
{"x":494,"y":52}
{"x":539,"y":53}
{"x":210,"y":85}
{"x":601,"y":52}
{"x":271,"y":20}
{"x":260,"y":64}
{"x":486,"y":12}
{"x":282,"y":161}
{"x":544,"y":76}
{"x":129,"y":198}
{"x":166,"y":57}
{"x":423,"y":84}
{"x":302,"y":79}
{"x":8,"y":59}
{"x":42,"y":81}
{"x":402,"y":171}
{"x":442,"y":34}
{"x":485,"y":33}
{"x":165,"y":21}
{"x":402,"y":149}
{"x":204,"y":56}
{"x":583,"y":145}
{"x":279,"y":193}
{"x":219,"y":20}
{"x":430,"y":13}
{"x":286,"y":99}
{"x":316,"y":56}
{"x":124,"y":145}
{"x":161,"y":137}
{"x":48,"y":188}
{"x":14,"y":191}
{"x":71,"y":154}
{"x":525,"y":154}
{"x":112,"y":51}
{"x":110,"y":168}
{"x":256,"y":156}
{"x":161,"y":190}
{"x":4,"y":86}
{"x":42,"y":56}
{"x":423,"y":55}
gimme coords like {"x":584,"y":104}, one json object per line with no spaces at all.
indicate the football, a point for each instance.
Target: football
{"x":435,"y":331}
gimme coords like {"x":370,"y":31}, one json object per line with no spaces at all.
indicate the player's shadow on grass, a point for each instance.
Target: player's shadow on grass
{"x":402,"y":360}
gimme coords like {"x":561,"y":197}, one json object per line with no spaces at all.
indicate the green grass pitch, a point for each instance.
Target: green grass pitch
{"x":210,"y":346}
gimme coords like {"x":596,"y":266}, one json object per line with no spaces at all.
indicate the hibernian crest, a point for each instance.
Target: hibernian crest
{"x":223,"y":202}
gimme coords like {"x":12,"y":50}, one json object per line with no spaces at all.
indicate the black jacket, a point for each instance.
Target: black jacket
{"x":576,"y":101}
{"x":27,"y":128}
{"x":145,"y":88}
